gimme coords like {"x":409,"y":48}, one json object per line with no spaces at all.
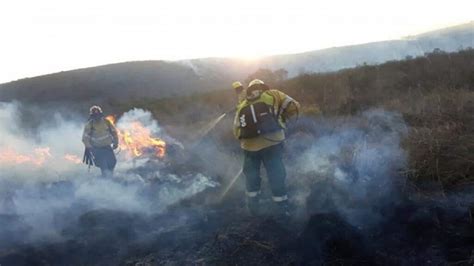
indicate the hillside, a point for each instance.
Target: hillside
{"x":162,"y":79}
{"x":331,"y":59}
{"x":123,"y":81}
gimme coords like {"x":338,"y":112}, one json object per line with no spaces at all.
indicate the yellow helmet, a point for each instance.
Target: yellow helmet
{"x":237,"y":84}
{"x":256,"y":82}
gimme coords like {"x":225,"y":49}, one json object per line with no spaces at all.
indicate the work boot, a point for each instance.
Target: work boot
{"x":253,"y":205}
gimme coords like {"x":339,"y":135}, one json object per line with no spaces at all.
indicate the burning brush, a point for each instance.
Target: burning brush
{"x":137,"y":140}
{"x":37,"y":157}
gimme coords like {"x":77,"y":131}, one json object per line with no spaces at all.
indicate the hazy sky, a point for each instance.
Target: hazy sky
{"x":45,"y":36}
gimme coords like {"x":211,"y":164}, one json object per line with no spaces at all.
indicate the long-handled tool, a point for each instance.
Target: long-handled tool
{"x":203,"y":134}
{"x":210,"y":126}
{"x":230,"y":185}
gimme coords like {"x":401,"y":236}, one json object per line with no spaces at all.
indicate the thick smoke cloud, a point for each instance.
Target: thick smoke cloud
{"x":36,"y":149}
{"x":42,"y":192}
{"x":344,"y":178}
{"x":344,"y":165}
{"x":352,"y":167}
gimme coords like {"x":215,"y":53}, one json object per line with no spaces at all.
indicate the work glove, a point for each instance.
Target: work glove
{"x":88,"y":158}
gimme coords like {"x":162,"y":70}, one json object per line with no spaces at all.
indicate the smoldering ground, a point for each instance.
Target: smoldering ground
{"x":345,"y":180}
{"x":354,"y":164}
{"x":350,"y":180}
{"x":42,"y":193}
{"x":353,"y":203}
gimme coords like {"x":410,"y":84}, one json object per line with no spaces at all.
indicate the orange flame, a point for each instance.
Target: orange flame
{"x":137,"y":140}
{"x":72,"y":158}
{"x":38,"y":158}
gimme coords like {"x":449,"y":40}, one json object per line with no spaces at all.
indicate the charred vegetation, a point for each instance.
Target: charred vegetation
{"x":380,"y":168}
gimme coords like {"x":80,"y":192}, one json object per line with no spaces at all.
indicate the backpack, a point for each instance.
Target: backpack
{"x":109,"y":127}
{"x":257,"y":117}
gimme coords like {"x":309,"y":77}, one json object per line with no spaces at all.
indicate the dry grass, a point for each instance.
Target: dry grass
{"x":441,"y":141}
{"x":434,"y":93}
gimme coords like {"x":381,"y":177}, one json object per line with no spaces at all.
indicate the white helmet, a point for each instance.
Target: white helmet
{"x":95,"y":110}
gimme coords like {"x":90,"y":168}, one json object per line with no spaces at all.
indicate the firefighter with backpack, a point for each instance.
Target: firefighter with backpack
{"x":100,"y":138}
{"x":260,"y":124}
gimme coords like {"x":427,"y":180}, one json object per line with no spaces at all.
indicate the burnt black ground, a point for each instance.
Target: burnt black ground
{"x":414,"y":232}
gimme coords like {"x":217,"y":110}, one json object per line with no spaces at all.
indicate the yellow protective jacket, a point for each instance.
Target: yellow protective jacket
{"x":99,"y":133}
{"x":282,"y":103}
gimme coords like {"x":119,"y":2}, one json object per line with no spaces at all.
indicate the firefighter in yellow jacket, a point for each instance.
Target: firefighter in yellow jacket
{"x":100,"y":139}
{"x":259,"y":124}
{"x":239,"y":90}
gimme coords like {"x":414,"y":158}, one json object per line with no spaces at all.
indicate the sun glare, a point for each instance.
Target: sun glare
{"x":87,"y":33}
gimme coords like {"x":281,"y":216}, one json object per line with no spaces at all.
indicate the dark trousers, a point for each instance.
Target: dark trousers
{"x":104,"y":158}
{"x":272,"y":159}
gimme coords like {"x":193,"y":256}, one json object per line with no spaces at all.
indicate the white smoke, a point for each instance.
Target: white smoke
{"x":49,"y":145}
{"x":142,"y":116}
{"x":39,"y":194}
{"x":352,"y":167}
